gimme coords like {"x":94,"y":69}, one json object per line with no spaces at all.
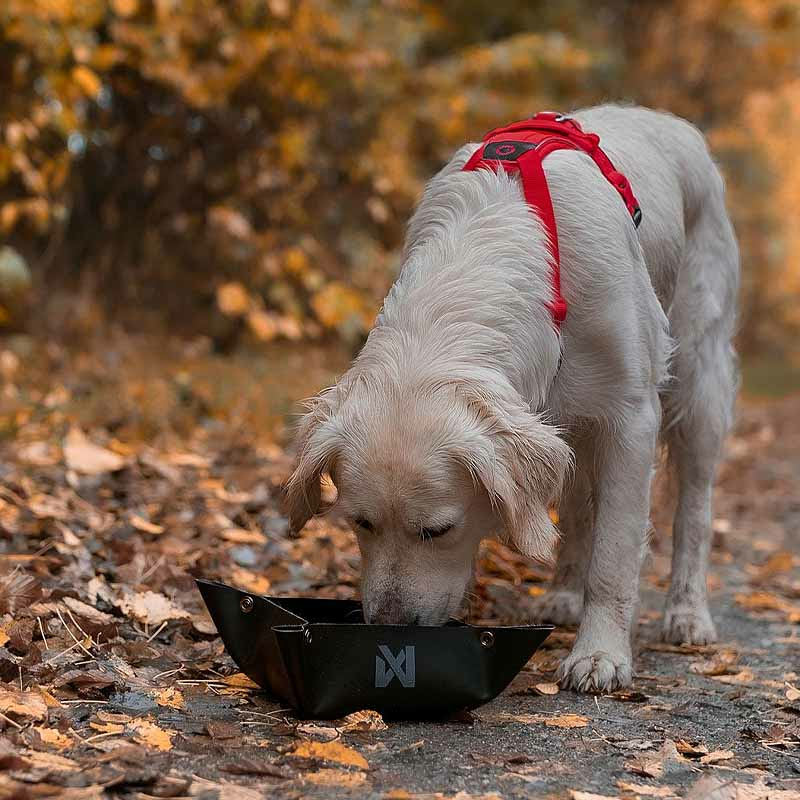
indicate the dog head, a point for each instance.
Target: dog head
{"x":423,"y":473}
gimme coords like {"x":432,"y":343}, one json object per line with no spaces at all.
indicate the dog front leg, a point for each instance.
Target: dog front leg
{"x":601,"y":659}
{"x":562,"y":603}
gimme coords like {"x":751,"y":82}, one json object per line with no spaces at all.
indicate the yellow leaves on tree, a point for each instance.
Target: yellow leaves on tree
{"x":339,"y":306}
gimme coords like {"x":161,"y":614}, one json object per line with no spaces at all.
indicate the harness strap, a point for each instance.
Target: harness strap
{"x":521,"y":148}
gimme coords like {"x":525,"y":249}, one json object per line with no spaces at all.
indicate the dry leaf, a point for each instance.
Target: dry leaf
{"x":54,"y":737}
{"x":201,"y":787}
{"x":239,"y":681}
{"x":336,"y":777}
{"x":87,"y":458}
{"x":547,"y":688}
{"x":107,"y":727}
{"x":50,"y":762}
{"x":23,"y":705}
{"x":792,"y":694}
{"x":722,"y":663}
{"x":18,"y":590}
{"x":243,"y":536}
{"x":145,"y":526}
{"x":709,"y":787}
{"x":149,"y":607}
{"x":363,"y":721}
{"x":743,"y":676}
{"x":170,"y":697}
{"x":333,"y":751}
{"x":150,"y":735}
{"x":567,"y":721}
{"x":250,"y":581}
{"x":644,"y":790}
{"x":576,"y":794}
{"x":717,"y":756}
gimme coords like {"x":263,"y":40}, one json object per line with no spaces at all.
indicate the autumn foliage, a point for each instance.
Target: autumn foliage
{"x":246,"y":166}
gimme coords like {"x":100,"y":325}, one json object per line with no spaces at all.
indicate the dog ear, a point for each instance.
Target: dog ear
{"x":318,"y":442}
{"x":521,"y":462}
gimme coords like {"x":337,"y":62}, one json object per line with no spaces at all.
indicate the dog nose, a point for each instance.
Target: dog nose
{"x":390,"y":612}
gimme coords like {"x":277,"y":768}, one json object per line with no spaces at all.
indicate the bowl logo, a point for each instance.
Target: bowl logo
{"x":389,"y":666}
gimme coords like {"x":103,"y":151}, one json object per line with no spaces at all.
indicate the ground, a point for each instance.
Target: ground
{"x":122,"y":479}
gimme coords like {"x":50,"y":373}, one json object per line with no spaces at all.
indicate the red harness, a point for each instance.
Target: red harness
{"x":521,"y":147}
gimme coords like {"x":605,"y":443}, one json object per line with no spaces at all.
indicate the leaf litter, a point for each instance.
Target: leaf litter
{"x":111,"y":672}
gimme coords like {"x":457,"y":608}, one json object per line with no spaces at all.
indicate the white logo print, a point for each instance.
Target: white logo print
{"x":388,"y":667}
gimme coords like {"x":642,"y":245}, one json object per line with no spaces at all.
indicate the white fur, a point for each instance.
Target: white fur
{"x":456,"y":412}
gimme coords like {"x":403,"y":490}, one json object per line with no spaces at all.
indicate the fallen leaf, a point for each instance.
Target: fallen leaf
{"x":22,"y":705}
{"x":149,"y":607}
{"x":709,"y":787}
{"x":54,"y":737}
{"x":85,"y":457}
{"x":559,"y":721}
{"x":336,"y":777}
{"x":49,"y":761}
{"x":243,"y":536}
{"x":644,"y":790}
{"x":149,"y":734}
{"x":782,"y":561}
{"x":792,"y":694}
{"x":690,"y":749}
{"x":202,"y":787}
{"x":721,"y":663}
{"x":239,"y":681}
{"x":107,"y":727}
{"x":743,"y":676}
{"x":547,"y":688}
{"x":567,"y":721}
{"x":145,"y":526}
{"x":362,"y":722}
{"x":717,"y":756}
{"x":18,"y":590}
{"x":576,"y":794}
{"x":333,"y":751}
{"x":170,"y":697}
{"x":250,"y":581}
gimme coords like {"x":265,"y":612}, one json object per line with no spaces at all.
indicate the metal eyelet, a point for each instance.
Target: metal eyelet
{"x":487,"y":639}
{"x":246,"y":604}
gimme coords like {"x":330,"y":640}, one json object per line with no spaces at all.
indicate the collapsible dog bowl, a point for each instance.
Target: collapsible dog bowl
{"x":320,"y":657}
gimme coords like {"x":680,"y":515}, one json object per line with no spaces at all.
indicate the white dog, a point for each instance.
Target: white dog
{"x":466,"y":414}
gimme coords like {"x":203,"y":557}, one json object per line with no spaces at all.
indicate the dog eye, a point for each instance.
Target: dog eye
{"x":434,"y":533}
{"x":364,"y":524}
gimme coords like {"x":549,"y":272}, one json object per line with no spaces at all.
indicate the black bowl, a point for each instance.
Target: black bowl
{"x":320,"y":657}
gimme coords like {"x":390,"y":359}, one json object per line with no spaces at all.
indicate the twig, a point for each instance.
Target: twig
{"x":10,"y":721}
{"x":168,"y":672}
{"x":76,"y":702}
{"x":151,"y":569}
{"x":101,"y":736}
{"x":160,"y":628}
{"x":74,"y":638}
{"x":41,"y":629}
{"x":21,"y":685}
{"x":75,"y":623}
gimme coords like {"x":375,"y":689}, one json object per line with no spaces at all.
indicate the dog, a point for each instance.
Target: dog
{"x":468,"y":414}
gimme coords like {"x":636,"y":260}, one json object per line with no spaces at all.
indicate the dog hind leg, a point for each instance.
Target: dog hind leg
{"x":698,"y":413}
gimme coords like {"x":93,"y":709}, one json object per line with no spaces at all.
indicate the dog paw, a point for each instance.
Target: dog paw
{"x":683,"y":625}
{"x":561,"y":607}
{"x":595,"y":673}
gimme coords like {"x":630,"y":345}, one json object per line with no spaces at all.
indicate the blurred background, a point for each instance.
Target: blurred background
{"x":202,"y":201}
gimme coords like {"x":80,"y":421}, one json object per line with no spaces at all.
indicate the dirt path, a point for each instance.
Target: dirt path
{"x":114,"y":683}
